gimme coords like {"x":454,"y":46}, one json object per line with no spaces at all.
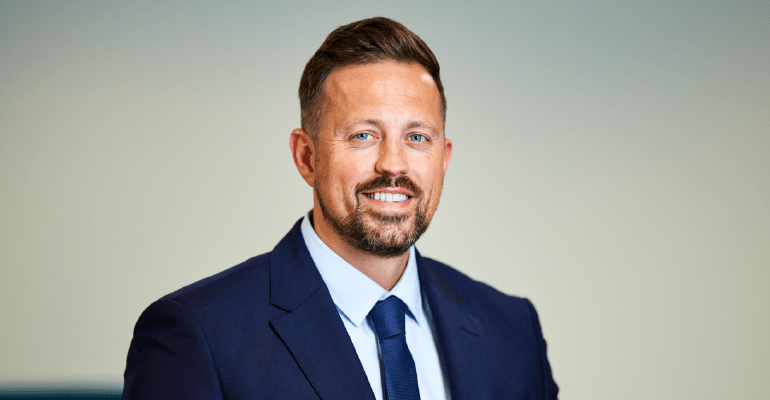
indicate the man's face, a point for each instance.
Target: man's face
{"x":380,"y":156}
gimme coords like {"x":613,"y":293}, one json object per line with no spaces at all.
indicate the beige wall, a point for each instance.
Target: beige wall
{"x":611,"y":163}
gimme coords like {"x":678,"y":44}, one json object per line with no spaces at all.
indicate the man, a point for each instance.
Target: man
{"x":344,"y":307}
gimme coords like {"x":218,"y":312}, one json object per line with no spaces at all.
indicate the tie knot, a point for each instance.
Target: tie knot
{"x":388,"y":317}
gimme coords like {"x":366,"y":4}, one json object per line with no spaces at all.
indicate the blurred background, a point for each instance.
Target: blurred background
{"x":611,"y":163}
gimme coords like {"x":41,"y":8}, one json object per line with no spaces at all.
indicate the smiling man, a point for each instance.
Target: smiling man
{"x":345,"y":307}
{"x":376,"y":160}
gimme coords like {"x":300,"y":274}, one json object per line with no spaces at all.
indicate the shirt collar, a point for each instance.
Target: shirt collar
{"x":354,"y":293}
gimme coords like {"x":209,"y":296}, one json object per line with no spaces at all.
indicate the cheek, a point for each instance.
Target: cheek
{"x":352,"y":171}
{"x":345,"y":172}
{"x":431,"y":174}
{"x":351,"y":166}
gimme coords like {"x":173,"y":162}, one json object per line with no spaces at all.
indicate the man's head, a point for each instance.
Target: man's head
{"x":367,"y":41}
{"x":378,"y":155}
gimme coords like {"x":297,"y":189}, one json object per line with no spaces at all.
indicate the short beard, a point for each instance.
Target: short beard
{"x":372,"y":241}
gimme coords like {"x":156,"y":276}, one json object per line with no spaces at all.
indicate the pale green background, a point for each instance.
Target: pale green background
{"x":611,"y":163}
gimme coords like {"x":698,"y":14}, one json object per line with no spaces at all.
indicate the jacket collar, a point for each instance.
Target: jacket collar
{"x":293,"y":275}
{"x":312,"y":329}
{"x":315,"y":335}
{"x":459,"y":334}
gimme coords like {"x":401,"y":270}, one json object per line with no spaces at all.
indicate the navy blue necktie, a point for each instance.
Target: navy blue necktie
{"x":400,"y":375}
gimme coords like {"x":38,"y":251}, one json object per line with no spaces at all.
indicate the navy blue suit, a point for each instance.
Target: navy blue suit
{"x":268,"y":329}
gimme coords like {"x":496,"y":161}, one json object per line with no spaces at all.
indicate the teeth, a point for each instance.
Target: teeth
{"x":390,"y":197}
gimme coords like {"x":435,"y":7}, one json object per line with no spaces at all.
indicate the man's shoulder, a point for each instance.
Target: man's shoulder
{"x":470,"y":292}
{"x":506,"y":320}
{"x":238,"y":284}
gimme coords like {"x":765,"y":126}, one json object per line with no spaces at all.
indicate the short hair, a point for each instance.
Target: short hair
{"x":366,"y":41}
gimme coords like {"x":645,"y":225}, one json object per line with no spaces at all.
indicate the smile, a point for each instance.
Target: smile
{"x":389,"y":197}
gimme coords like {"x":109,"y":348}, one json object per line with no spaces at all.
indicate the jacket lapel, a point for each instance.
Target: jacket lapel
{"x":312,"y":329}
{"x":459,"y":335}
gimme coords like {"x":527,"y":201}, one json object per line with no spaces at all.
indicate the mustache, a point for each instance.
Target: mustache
{"x":389,"y":181}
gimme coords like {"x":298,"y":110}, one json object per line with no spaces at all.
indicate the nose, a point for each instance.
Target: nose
{"x":392,"y":159}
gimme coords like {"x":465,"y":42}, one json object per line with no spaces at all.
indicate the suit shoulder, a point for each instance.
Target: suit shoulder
{"x":509,"y":322}
{"x":471,"y":291}
{"x":460,"y":280}
{"x":240,"y":281}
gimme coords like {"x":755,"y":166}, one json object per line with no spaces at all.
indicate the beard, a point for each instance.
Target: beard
{"x":375,"y":233}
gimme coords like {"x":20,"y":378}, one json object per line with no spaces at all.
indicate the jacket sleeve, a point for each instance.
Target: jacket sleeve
{"x":550,"y":389}
{"x":169,"y":356}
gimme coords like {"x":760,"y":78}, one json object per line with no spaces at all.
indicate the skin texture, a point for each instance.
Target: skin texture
{"x":382,"y":122}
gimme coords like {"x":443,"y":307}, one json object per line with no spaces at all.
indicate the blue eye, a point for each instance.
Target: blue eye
{"x":417,"y":138}
{"x":363,"y":136}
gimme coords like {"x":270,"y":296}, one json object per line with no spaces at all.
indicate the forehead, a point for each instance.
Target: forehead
{"x":383,"y":90}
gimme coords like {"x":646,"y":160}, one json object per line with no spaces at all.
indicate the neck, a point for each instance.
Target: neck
{"x":384,"y":271}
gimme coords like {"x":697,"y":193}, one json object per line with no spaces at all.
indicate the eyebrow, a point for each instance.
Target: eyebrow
{"x":380,"y":125}
{"x":419,"y":124}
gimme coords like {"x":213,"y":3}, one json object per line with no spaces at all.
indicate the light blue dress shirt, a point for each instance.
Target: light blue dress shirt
{"x":355,"y":294}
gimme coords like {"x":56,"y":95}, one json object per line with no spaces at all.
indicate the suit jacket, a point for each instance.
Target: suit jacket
{"x":268,"y":329}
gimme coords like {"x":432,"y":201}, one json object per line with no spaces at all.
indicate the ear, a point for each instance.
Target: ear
{"x":447,"y":153}
{"x":303,"y":153}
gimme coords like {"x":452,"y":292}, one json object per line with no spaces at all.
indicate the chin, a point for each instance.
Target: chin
{"x":376,"y":233}
{"x":388,"y":235}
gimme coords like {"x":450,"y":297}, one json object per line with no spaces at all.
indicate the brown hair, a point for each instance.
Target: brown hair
{"x":366,"y":41}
